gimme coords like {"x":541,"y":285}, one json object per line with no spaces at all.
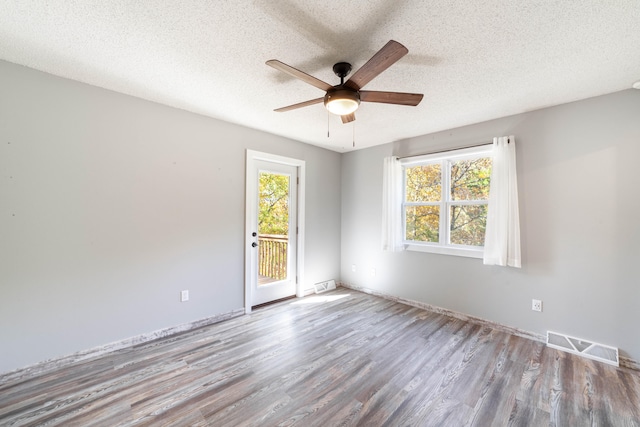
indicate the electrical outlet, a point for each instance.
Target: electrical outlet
{"x":353,"y":268}
{"x":536,"y":305}
{"x":373,"y":272}
{"x":184,"y":296}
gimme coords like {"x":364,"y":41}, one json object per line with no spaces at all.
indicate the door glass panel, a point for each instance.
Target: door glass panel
{"x":273,"y":227}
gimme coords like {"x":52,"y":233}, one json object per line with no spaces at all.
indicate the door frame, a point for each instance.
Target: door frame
{"x":251,"y":190}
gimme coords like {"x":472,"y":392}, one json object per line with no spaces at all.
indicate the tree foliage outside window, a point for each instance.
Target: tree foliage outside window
{"x":273,"y":209}
{"x":423,"y":187}
{"x":446,"y":201}
{"x":469,"y":182}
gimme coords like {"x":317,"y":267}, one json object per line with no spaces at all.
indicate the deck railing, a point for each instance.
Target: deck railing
{"x":272,"y":258}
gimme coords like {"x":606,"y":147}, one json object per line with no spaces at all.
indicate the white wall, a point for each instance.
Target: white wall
{"x":110,"y":205}
{"x":580,"y":218}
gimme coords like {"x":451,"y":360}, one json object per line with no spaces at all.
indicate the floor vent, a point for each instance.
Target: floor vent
{"x":325,"y":286}
{"x":584,"y":348}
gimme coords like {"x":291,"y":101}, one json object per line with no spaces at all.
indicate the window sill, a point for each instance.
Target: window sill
{"x":445,"y":250}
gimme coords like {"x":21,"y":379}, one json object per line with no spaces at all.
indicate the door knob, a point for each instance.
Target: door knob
{"x":254,"y":244}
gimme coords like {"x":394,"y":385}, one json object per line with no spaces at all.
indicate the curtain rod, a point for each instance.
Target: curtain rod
{"x":446,"y":151}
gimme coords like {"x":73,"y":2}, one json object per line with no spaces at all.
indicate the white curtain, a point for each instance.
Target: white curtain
{"x":391,"y":204}
{"x":502,"y":237}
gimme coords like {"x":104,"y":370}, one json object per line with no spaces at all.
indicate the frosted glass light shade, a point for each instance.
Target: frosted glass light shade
{"x":342,"y":101}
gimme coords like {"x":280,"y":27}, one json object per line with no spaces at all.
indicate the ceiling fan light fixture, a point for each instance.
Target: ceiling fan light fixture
{"x":342,"y":101}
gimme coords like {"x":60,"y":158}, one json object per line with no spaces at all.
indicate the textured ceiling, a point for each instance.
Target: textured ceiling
{"x":473,"y":60}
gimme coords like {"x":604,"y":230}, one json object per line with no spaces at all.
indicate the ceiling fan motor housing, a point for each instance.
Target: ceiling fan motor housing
{"x":341,"y":100}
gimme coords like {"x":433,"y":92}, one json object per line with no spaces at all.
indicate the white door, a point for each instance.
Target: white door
{"x":272,"y":229}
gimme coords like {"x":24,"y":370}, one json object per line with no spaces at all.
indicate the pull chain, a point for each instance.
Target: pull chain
{"x":328,"y":120}
{"x":354,"y":134}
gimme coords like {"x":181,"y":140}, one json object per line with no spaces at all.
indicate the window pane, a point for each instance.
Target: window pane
{"x":468,"y":224}
{"x":470,"y":179}
{"x":422,"y":223}
{"x":423,"y":183}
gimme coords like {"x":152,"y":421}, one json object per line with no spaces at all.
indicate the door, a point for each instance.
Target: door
{"x":272,"y":226}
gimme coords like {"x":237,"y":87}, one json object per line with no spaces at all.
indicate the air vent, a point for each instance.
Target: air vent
{"x":584,"y":348}
{"x":325,"y":286}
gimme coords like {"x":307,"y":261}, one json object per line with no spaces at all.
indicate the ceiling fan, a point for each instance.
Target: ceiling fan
{"x":344,"y":99}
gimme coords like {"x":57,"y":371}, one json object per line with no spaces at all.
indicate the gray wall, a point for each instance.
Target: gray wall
{"x":110,"y":205}
{"x":580,"y":218}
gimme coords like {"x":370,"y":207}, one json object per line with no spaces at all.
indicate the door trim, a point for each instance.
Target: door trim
{"x":251,"y":189}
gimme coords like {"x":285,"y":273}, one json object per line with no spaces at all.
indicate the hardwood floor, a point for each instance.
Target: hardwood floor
{"x":339,"y":358}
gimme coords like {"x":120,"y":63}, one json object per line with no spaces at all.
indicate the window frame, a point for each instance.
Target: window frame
{"x":445,"y":203}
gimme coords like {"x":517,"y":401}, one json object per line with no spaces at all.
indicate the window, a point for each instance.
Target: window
{"x":444,"y":203}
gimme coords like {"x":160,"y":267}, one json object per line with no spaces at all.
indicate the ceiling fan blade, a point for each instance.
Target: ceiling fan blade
{"x":298,"y":74}
{"x":383,"y":59}
{"x":347,"y":118}
{"x":299,"y":105}
{"x":400,"y":98}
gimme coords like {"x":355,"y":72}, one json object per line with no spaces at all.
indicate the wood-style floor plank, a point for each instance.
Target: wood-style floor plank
{"x":338,"y":359}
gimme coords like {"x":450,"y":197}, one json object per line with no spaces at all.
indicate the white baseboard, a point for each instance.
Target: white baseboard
{"x":625,"y":362}
{"x":629,"y":363}
{"x":62,"y":361}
